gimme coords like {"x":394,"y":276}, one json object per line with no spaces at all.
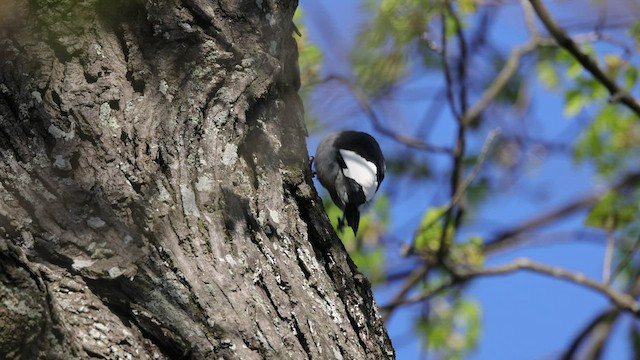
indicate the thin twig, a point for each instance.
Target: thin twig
{"x":462,"y":61}
{"x":448,"y":77}
{"x":598,"y":340}
{"x":529,"y":18}
{"x":608,"y":256}
{"x":387,"y":309}
{"x":622,"y":300}
{"x":476,"y":167}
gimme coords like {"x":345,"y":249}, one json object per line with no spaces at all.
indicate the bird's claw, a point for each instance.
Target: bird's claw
{"x":341,"y":223}
{"x":311,"y":159}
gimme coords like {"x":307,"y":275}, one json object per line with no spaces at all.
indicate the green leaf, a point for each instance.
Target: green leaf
{"x":452,"y":328}
{"x":310,"y":56}
{"x":631,"y":77}
{"x":574,"y":102}
{"x":611,"y":140}
{"x":574,"y":70}
{"x":469,"y":253}
{"x":634,"y":30}
{"x":468,"y":6}
{"x":430,"y":230}
{"x":376,"y":70}
{"x":547,"y":74}
{"x":370,"y":263}
{"x":612,"y":211}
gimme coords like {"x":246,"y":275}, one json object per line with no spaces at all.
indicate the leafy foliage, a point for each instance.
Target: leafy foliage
{"x":430,"y":232}
{"x":309,"y":62}
{"x":451,"y":327}
{"x":613,"y":211}
{"x":309,"y":56}
{"x":611,"y":141}
{"x":380,"y":58}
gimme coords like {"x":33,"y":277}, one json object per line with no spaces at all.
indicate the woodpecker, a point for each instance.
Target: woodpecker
{"x":350,"y":165}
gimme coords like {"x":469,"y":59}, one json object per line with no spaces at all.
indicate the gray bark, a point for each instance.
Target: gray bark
{"x":155,"y":193}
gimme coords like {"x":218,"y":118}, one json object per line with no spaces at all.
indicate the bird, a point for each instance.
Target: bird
{"x":351,"y":166}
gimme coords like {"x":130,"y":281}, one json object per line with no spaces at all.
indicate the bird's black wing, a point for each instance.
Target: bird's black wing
{"x":364,"y":145}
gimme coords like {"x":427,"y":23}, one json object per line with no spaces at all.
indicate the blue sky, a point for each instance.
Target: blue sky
{"x":525,"y":315}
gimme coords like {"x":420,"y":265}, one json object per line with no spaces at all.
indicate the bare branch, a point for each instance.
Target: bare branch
{"x":462,"y":61}
{"x":454,"y":214}
{"x":513,"y":61}
{"x":598,"y":340}
{"x":620,"y":299}
{"x":476,"y":167}
{"x":448,"y":77}
{"x":377,"y":123}
{"x":412,"y":280}
{"x":607,"y":316}
{"x":618,"y":94}
{"x":529,"y":18}
{"x":509,"y":237}
{"x":508,"y":70}
{"x":386,"y":309}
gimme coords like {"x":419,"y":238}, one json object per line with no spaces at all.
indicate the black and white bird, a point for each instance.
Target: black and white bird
{"x":350,"y":165}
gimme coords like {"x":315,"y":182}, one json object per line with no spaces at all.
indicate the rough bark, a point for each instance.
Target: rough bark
{"x":155,"y":193}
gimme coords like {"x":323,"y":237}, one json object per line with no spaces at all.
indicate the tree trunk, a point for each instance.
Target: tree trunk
{"x":156,"y":199}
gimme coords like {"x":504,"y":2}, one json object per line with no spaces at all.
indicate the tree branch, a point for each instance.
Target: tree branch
{"x":455,"y":198}
{"x":607,"y":316}
{"x":419,"y":298}
{"x":398,"y":300}
{"x":454,"y":214}
{"x":506,"y":73}
{"x":618,"y":94}
{"x":508,"y":237}
{"x":608,"y":256}
{"x":377,"y":123}
{"x":448,"y":77}
{"x":622,"y":300}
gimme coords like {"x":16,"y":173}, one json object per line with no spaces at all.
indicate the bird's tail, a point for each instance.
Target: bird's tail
{"x":352,"y":215}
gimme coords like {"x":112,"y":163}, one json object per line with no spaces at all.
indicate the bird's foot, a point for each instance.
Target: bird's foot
{"x":341,"y":223}
{"x":311,"y":159}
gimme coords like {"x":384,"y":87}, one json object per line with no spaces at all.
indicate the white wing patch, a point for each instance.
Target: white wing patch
{"x":361,"y":171}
